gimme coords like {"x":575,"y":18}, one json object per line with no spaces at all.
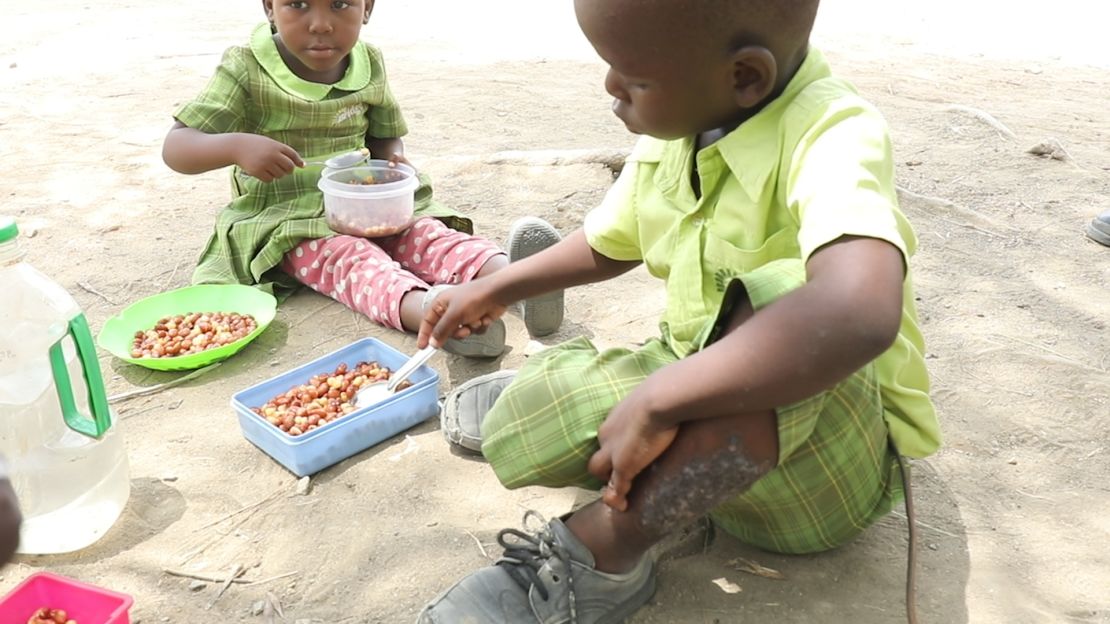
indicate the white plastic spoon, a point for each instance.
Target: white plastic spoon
{"x":381,"y":390}
{"x":343,"y":161}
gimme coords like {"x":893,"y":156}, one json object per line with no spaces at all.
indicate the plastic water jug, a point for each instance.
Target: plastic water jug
{"x":66,"y":454}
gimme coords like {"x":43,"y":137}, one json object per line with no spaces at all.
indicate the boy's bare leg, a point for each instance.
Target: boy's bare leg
{"x":709,"y":462}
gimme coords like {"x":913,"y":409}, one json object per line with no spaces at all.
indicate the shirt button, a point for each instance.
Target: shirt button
{"x":698,"y":222}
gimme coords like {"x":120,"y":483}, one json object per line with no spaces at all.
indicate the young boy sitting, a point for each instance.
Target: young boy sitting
{"x":10,"y":518}
{"x":788,"y":375}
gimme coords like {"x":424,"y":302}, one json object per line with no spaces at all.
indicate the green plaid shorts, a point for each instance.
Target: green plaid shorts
{"x":837,"y":471}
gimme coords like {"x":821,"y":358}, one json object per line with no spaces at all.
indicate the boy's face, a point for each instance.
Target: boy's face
{"x":318,"y":34}
{"x":662,"y":86}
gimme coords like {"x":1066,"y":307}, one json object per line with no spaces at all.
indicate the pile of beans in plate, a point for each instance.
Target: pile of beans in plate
{"x":186,"y":334}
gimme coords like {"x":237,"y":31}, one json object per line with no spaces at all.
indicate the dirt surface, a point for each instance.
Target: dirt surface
{"x":1014,"y":512}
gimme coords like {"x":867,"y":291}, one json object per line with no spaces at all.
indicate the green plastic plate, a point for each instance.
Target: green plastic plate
{"x":119,"y":332}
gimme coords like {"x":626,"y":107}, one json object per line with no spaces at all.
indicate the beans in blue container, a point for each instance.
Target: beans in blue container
{"x":324,"y":398}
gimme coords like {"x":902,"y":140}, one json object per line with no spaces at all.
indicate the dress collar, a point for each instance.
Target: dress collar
{"x":266,"y":53}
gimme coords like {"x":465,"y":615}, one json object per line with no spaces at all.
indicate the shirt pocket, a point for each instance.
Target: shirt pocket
{"x":726,"y":261}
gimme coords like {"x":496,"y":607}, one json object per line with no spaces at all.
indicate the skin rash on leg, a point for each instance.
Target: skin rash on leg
{"x":709,"y":461}
{"x":677,"y":499}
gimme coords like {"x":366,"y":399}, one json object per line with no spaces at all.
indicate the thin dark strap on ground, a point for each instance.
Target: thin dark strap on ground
{"x":911,"y":557}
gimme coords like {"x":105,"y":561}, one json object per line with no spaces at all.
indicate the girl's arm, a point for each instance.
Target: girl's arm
{"x":385,"y":149}
{"x":187,"y":150}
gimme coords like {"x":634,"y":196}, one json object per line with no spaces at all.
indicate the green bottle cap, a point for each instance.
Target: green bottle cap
{"x":9,"y":231}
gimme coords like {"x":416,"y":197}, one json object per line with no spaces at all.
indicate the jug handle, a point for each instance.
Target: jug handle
{"x":98,"y":399}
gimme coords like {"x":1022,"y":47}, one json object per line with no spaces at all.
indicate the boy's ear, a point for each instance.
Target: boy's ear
{"x":754,"y":74}
{"x":268,"y":7}
{"x":369,"y":10}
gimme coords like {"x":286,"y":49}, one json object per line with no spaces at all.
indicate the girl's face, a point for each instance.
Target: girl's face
{"x":315,"y":36}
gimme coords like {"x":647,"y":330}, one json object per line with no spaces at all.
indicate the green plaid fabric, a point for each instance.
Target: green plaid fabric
{"x":814,"y":165}
{"x":836,"y":475}
{"x":253,"y":91}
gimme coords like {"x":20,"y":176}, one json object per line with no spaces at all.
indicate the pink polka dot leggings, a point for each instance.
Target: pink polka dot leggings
{"x":373,"y":275}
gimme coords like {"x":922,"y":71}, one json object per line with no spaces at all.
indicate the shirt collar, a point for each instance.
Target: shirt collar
{"x":266,"y":53}
{"x":764,"y":129}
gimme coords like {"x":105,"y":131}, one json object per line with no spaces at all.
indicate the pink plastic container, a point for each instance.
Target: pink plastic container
{"x":87,"y":604}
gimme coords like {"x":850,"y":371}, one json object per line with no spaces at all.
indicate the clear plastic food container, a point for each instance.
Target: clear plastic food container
{"x":371,"y":201}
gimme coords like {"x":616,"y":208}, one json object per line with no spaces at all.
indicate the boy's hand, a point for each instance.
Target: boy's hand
{"x":264,"y":158}
{"x":10,"y":520}
{"x":630,"y":441}
{"x":458,"y":312}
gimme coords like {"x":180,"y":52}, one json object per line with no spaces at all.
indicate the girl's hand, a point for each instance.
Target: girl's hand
{"x":398,"y":157}
{"x":264,"y":158}
{"x":458,"y":312}
{"x":630,"y":441}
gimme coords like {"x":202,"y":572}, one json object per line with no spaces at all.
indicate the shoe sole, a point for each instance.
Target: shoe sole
{"x":629,"y":607}
{"x":486,"y":345}
{"x":1096,"y":234}
{"x":449,"y":418}
{"x":544,"y":314}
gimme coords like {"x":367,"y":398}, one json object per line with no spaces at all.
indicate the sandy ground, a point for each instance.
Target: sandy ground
{"x":1014,"y":512}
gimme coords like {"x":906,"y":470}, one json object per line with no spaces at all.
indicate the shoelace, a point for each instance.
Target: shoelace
{"x":522,"y":560}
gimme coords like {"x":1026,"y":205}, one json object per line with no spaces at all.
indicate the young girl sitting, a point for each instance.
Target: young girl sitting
{"x":306,"y":85}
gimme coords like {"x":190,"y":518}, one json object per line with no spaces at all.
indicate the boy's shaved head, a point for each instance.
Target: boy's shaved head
{"x":770,"y":23}
{"x":782,"y":26}
{"x":681,"y":67}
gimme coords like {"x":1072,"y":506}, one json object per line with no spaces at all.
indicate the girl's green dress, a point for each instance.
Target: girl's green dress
{"x":254,"y":91}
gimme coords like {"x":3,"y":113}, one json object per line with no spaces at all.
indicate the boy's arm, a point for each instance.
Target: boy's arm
{"x":570,"y":262}
{"x":188,"y":150}
{"x":846,"y":315}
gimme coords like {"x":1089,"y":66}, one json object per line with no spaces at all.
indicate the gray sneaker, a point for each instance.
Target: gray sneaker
{"x":466,"y":406}
{"x":486,"y":345}
{"x":544,"y":314}
{"x":546,"y":577}
{"x":1098,"y":229}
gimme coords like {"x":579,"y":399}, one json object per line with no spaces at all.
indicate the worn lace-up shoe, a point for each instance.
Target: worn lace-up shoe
{"x":529,"y":235}
{"x":1098,"y":229}
{"x":466,"y":406}
{"x":544,"y":577}
{"x":489,"y":344}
